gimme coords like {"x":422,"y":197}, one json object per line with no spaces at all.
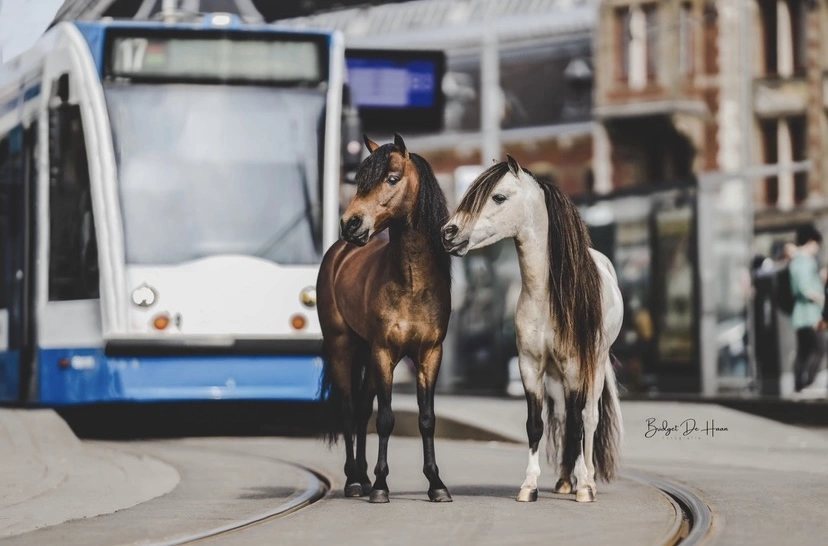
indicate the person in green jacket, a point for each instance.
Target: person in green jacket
{"x":808,"y":292}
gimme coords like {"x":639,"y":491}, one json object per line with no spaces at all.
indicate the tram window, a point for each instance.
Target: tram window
{"x":73,"y":256}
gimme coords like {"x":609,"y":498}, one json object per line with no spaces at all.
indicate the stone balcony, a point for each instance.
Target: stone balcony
{"x":778,"y":97}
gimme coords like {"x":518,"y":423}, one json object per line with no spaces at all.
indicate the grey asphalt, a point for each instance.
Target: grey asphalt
{"x":221,"y":482}
{"x":483,"y":479}
{"x":48,"y":476}
{"x":765,"y":483}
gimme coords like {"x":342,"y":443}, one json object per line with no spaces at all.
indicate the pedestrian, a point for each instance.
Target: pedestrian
{"x":809,"y":301}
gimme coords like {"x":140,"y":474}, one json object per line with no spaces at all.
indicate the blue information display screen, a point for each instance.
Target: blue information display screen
{"x":397,"y":89}
{"x":393,"y":84}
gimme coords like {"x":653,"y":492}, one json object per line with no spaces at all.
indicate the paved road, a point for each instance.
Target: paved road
{"x":48,"y":476}
{"x":765,"y":483}
{"x":224,"y":479}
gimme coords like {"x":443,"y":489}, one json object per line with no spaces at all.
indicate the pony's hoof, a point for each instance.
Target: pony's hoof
{"x":366,"y":489}
{"x":353,"y":490}
{"x":587,"y":494}
{"x":378,"y":496}
{"x":563,"y":487}
{"x":527,"y":495}
{"x":439,"y":495}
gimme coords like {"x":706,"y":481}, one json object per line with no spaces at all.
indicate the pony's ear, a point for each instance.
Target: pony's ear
{"x":370,"y":144}
{"x":400,"y":143}
{"x":513,"y":165}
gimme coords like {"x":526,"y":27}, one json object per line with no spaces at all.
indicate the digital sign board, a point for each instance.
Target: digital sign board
{"x":209,"y":56}
{"x":397,"y":90}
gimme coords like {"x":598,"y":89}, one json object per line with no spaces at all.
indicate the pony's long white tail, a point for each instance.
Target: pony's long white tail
{"x":610,"y":433}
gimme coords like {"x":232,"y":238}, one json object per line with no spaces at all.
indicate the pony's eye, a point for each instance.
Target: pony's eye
{"x":499,"y":198}
{"x":393,"y":179}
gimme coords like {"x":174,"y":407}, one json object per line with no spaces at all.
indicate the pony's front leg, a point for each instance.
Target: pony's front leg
{"x":384,"y":374}
{"x":427,"y":370}
{"x":585,"y":490}
{"x":556,"y":396}
{"x":531,"y":373}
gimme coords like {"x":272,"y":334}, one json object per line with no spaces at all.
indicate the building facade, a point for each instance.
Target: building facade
{"x":671,"y":88}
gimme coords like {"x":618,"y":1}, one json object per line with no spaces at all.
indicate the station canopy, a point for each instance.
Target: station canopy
{"x":249,"y":11}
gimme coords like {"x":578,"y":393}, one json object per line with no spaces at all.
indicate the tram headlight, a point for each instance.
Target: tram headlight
{"x":308,"y":296}
{"x":221,"y":20}
{"x":144,"y":296}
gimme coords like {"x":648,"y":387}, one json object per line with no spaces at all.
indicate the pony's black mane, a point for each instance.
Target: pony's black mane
{"x":574,"y":281}
{"x":431,"y":212}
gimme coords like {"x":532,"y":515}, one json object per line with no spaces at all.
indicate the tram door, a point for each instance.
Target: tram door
{"x":17,"y":183}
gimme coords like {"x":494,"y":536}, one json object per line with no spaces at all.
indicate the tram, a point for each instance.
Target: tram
{"x":167,"y":192}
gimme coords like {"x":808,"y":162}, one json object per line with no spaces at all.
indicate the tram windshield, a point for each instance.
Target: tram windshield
{"x":208,"y":170}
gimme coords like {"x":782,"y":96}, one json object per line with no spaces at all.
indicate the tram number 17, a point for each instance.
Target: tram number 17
{"x":130,"y":54}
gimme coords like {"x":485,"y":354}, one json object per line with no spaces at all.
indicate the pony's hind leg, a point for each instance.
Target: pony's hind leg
{"x":427,"y":370}
{"x":364,"y":409}
{"x":532,"y":372}
{"x":342,"y":351}
{"x":571,"y":456}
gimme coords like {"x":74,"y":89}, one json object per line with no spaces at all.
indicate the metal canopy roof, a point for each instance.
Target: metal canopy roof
{"x":419,"y":23}
{"x":454,"y":23}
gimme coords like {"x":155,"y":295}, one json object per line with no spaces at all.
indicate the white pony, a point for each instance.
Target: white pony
{"x":568,"y":315}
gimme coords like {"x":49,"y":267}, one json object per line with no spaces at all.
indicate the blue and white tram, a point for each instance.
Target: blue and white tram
{"x":167,"y":192}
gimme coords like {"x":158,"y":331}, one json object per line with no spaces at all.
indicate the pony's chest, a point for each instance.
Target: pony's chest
{"x":411,"y":318}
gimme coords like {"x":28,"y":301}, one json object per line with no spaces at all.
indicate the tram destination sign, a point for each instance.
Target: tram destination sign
{"x":397,"y":89}
{"x":209,"y":57}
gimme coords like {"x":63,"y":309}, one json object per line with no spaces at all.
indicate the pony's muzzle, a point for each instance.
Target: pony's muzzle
{"x":353,"y":231}
{"x":450,"y":242}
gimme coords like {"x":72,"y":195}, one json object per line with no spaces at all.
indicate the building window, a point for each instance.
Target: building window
{"x":73,"y":255}
{"x":623,"y":39}
{"x":651,"y":25}
{"x":768,"y":10}
{"x":686,"y":41}
{"x":770,"y":149}
{"x":799,"y":145}
{"x":799,"y":34}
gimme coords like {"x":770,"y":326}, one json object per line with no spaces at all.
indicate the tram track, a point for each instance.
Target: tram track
{"x":694,"y":519}
{"x":316,"y":489}
{"x":691,"y":527}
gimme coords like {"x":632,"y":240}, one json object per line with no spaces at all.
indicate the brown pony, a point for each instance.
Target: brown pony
{"x":381,"y":299}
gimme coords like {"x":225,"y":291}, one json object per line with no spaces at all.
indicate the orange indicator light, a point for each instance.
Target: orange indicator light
{"x":298,"y":322}
{"x":161,"y":322}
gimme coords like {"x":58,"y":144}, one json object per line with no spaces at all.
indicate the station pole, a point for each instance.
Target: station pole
{"x":490,"y":100}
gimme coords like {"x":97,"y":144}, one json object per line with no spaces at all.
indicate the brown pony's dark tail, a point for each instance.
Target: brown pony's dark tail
{"x":331,"y":398}
{"x":338,"y":411}
{"x":610,"y":431}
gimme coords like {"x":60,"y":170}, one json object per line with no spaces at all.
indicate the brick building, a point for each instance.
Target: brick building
{"x":669,"y":93}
